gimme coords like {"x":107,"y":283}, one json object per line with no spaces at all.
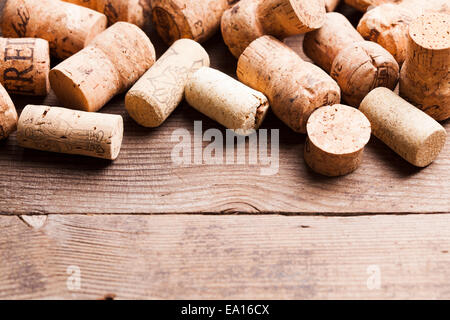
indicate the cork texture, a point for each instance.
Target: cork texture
{"x":357,"y":65}
{"x":249,"y":19}
{"x":160,"y":90}
{"x":226,"y":100}
{"x":362,"y":67}
{"x":408,"y":131}
{"x":336,"y":139}
{"x":295,"y":88}
{"x":112,"y":63}
{"x":69,"y":131}
{"x":133,"y":11}
{"x":24,"y":67}
{"x":8,"y":114}
{"x":67,"y":27}
{"x":363,"y":5}
{"x":425,"y":76}
{"x":324,"y":44}
{"x":192,"y":19}
{"x":388,"y":24}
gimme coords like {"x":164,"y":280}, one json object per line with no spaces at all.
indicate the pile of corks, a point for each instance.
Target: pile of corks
{"x":396,"y":41}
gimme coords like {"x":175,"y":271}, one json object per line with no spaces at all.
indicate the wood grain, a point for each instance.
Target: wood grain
{"x":227,"y":257}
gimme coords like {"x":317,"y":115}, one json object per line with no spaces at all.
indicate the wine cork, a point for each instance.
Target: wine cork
{"x":160,"y":90}
{"x":363,"y":5}
{"x":294,"y":87}
{"x":8,"y":114}
{"x":336,"y":139}
{"x":67,"y":27}
{"x":425,"y":76}
{"x":69,"y":131}
{"x":133,"y":11}
{"x":387,"y":24}
{"x":25,"y":66}
{"x":411,"y":133}
{"x":109,"y":65}
{"x":331,"y":5}
{"x":192,"y":19}
{"x":226,"y":100}
{"x":358,"y":66}
{"x":249,"y":19}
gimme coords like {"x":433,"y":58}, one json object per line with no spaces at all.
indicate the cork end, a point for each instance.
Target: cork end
{"x":336,"y":139}
{"x":116,"y":138}
{"x":431,"y":31}
{"x":310,"y":13}
{"x":68,"y":92}
{"x":170,"y":23}
{"x":142,"y":111}
{"x":339,"y":129}
{"x":430,"y":148}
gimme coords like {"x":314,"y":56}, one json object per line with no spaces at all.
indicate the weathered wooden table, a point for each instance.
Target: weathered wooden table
{"x":142,"y":227}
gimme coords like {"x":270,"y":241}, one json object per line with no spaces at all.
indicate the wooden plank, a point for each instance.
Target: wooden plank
{"x":144,"y":179}
{"x":227,"y":257}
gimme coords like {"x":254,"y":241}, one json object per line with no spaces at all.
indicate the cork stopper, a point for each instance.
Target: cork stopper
{"x":324,"y":44}
{"x":411,"y":133}
{"x":431,"y":31}
{"x":8,"y":114}
{"x":132,"y":11}
{"x":295,"y":88}
{"x":69,"y":131}
{"x":248,"y":20}
{"x":283,"y":18}
{"x":357,"y":65}
{"x":192,"y":19}
{"x":337,"y":136}
{"x":387,"y":25}
{"x":226,"y":100}
{"x":112,"y":63}
{"x":361,"y":67}
{"x":160,"y":90}
{"x":25,"y":66}
{"x":67,"y":27}
{"x":425,"y":74}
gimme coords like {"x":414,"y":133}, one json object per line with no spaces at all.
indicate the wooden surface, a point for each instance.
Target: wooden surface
{"x":227,"y":257}
{"x":141,"y":227}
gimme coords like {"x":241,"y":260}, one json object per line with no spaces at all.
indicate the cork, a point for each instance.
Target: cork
{"x":363,"y":5}
{"x":388,"y":24}
{"x":192,"y":19}
{"x":25,"y":66}
{"x":226,"y":100}
{"x":67,"y":27}
{"x":109,"y":65}
{"x":133,"y":11}
{"x":160,"y":90}
{"x":336,"y":139}
{"x":425,"y":76}
{"x":331,"y":5}
{"x":8,"y":114}
{"x":357,"y":65}
{"x":249,"y":19}
{"x":408,"y":131}
{"x":294,"y":87}
{"x":63,"y":130}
